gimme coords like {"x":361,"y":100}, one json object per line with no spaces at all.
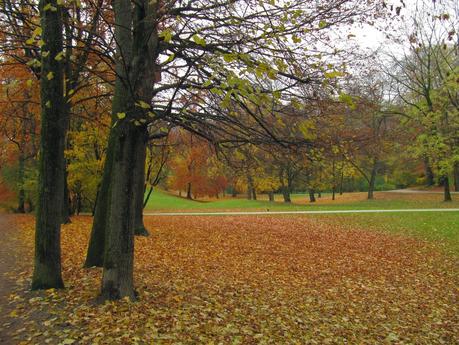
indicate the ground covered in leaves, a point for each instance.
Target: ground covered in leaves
{"x":250,"y":280}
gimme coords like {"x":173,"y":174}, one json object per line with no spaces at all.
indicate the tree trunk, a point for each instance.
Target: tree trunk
{"x":138,"y":49}
{"x":250,"y":189}
{"x":271,"y":196}
{"x":96,"y":247}
{"x":312,"y":197}
{"x":372,"y":181}
{"x":254,"y":194}
{"x":147,"y":198}
{"x":188,"y":191}
{"x":447,"y":193}
{"x":333,"y":192}
{"x":117,"y":279}
{"x":21,"y":191}
{"x":319,"y":194}
{"x":430,"y":178}
{"x":66,"y":204}
{"x":31,"y":205}
{"x":341,"y":182}
{"x":47,"y":263}
{"x":456,"y":177}
{"x":78,"y":204}
{"x":286,"y":194}
{"x":139,"y":175}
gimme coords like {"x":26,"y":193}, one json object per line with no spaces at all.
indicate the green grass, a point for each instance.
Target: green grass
{"x":163,"y":201}
{"x":440,"y":228}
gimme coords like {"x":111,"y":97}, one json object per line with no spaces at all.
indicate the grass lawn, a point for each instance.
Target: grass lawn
{"x":163,"y":201}
{"x":441,"y":228}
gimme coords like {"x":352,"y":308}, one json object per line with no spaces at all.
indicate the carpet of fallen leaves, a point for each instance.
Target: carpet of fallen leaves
{"x":250,"y":280}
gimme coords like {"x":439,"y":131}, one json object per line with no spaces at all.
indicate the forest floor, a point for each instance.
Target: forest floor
{"x":248,"y":280}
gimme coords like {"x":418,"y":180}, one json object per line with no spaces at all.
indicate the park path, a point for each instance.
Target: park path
{"x":11,"y":252}
{"x":258,"y":213}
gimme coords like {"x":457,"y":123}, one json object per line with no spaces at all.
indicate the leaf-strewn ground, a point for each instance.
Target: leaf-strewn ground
{"x":252,"y":280}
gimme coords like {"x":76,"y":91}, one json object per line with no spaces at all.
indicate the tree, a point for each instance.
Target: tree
{"x":426,"y":76}
{"x":198,"y":59}
{"x":47,"y":267}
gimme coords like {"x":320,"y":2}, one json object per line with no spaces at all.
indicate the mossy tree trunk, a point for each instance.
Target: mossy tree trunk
{"x":47,"y":263}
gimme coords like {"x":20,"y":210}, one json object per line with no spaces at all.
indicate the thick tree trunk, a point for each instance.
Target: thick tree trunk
{"x":96,"y":247}
{"x":254,"y":194}
{"x":319,"y":194}
{"x":117,"y":279}
{"x":333,"y":193}
{"x":271,"y":196}
{"x":139,"y":175}
{"x":47,"y":263}
{"x":312,"y":197}
{"x":446,"y":190}
{"x":456,"y":177}
{"x":430,"y":178}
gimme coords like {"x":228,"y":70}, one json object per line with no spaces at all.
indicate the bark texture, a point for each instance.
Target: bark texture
{"x":47,"y":263}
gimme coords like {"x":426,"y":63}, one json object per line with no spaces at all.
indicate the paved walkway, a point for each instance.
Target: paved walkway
{"x":260,"y":213}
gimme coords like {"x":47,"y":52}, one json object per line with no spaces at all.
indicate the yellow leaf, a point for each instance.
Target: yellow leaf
{"x":143,"y":104}
{"x":59,"y":56}
{"x":121,"y":115}
{"x":50,"y":75}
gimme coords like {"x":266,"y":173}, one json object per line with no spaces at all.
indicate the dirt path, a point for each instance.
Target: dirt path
{"x":11,"y":252}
